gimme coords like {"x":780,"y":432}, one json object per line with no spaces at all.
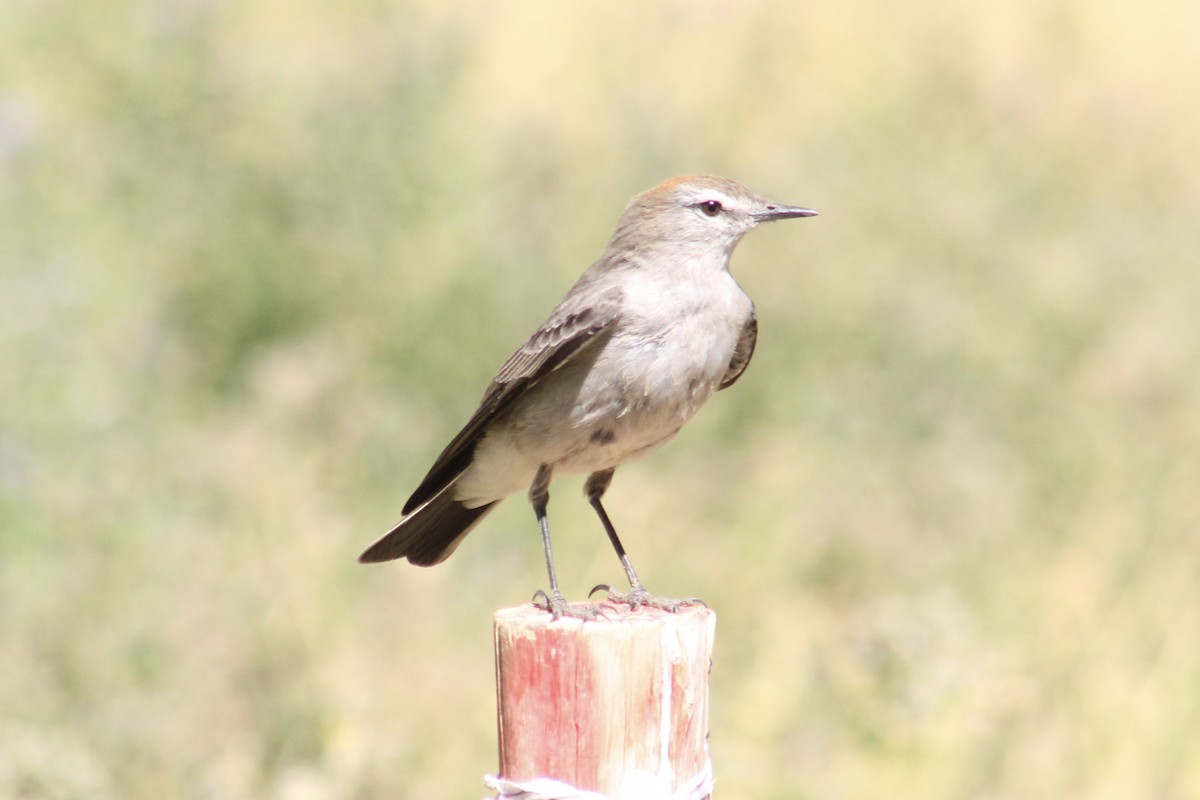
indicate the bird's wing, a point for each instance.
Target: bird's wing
{"x":552,"y":345}
{"x":741,"y":353}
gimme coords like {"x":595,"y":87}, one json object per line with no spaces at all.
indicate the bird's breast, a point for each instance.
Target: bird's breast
{"x":655,"y":373}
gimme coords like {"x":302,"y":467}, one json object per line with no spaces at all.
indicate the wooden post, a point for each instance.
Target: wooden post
{"x":616,"y":706}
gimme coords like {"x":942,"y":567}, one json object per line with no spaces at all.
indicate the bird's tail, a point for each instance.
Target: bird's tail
{"x":428,"y":535}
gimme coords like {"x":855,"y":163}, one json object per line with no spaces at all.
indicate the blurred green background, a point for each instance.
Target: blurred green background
{"x":260,"y":260}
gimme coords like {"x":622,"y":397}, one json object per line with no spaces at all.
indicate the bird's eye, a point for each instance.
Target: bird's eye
{"x":711,"y":207}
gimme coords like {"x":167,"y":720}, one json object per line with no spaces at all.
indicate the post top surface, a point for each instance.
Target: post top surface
{"x":533,"y":617}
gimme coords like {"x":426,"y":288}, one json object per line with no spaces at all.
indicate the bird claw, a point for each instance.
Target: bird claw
{"x":638,"y":596}
{"x":558,"y":607}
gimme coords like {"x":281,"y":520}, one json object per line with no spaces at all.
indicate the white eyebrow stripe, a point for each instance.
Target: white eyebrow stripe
{"x":711,"y":194}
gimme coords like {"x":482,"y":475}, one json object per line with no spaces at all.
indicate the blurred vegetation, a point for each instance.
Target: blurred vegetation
{"x":260,"y":259}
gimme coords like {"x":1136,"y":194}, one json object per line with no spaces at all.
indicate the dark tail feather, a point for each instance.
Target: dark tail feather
{"x":428,"y":535}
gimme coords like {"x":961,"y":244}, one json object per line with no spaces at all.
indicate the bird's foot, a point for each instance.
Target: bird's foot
{"x":638,"y":596}
{"x":558,"y":607}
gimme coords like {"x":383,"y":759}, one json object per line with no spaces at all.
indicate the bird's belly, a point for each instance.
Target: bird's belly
{"x":635,"y":396}
{"x":597,"y":412}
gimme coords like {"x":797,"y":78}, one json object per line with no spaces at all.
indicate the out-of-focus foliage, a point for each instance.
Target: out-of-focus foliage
{"x":260,"y":258}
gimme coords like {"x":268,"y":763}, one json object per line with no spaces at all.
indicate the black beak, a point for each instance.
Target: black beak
{"x":775,"y":211}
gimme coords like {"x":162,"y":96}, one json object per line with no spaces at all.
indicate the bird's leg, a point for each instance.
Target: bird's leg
{"x":597,"y":484}
{"x":555,"y":603}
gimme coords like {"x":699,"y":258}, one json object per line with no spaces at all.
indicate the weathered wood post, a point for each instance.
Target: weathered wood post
{"x":618,"y":707}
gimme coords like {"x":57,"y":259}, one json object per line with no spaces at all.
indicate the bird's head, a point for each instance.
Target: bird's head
{"x":698,"y":216}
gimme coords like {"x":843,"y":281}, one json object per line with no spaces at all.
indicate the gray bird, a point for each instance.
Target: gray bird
{"x":641,"y":341}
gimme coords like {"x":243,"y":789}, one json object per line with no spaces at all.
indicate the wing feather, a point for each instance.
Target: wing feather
{"x":741,"y":353}
{"x":551,"y":346}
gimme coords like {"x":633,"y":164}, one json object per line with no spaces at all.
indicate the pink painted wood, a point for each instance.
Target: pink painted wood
{"x":618,"y":707}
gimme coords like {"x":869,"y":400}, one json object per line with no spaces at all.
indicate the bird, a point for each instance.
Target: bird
{"x":638,"y":345}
